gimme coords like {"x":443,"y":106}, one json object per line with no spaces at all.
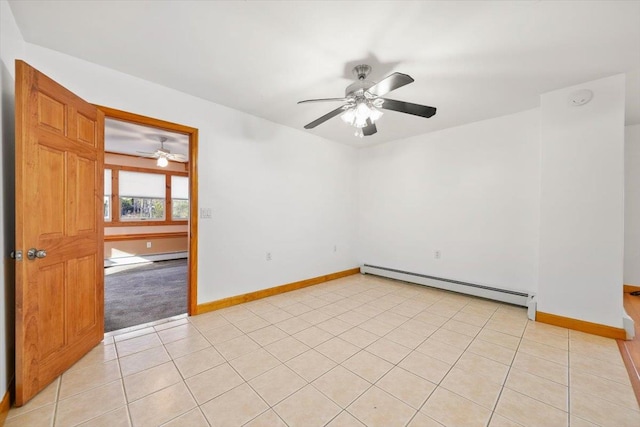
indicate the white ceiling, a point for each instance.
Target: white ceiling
{"x":129,"y":138}
{"x":472,"y":60}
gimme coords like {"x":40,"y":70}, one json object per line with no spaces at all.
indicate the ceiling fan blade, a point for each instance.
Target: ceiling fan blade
{"x":389,"y":83}
{"x":369,"y":129}
{"x":323,"y":100}
{"x":324,"y":118}
{"x":147,"y":154}
{"x":177,"y":157}
{"x":409,"y":108}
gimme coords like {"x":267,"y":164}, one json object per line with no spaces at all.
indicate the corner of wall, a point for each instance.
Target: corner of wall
{"x":11,"y":47}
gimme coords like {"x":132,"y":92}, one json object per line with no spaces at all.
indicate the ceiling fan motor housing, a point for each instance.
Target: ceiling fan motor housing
{"x":361,"y":71}
{"x":358,"y":88}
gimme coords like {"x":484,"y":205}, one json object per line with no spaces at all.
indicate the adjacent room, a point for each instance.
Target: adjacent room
{"x":146,"y":214}
{"x":318,"y":213}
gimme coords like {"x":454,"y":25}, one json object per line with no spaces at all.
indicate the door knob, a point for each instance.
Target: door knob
{"x":34,"y":253}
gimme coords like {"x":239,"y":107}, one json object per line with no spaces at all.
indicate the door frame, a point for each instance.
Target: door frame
{"x":192,"y":260}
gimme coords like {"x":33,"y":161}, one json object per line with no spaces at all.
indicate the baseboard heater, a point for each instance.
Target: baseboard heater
{"x":137,"y":259}
{"x":504,"y":295}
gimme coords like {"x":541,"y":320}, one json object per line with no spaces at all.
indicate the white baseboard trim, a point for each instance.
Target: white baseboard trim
{"x":138,"y":259}
{"x":628,"y":324}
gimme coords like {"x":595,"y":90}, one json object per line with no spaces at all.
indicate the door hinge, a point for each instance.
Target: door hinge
{"x":17,"y":255}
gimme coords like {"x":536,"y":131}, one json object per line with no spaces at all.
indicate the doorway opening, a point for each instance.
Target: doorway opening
{"x":150,"y":213}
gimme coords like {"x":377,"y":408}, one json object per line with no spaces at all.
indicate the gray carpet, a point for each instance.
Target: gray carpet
{"x":142,"y":293}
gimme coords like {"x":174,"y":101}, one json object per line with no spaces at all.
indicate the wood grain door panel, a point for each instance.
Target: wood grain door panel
{"x":59,"y":202}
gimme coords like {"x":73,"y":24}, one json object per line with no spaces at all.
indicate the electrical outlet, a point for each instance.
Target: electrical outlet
{"x":268,"y":256}
{"x":205,"y":213}
{"x":437,"y":254}
{"x":148,"y":245}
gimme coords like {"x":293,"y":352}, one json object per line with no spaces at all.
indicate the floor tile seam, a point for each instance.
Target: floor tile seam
{"x":27,"y":411}
{"x":181,"y":338}
{"x":541,"y":401}
{"x":493,"y":411}
{"x":615,"y":403}
{"x":538,"y":376}
{"x":397,"y":365}
{"x":443,"y":342}
{"x":384,"y":391}
{"x":615,"y":383}
{"x":337,"y":415}
{"x":529,"y":353}
{"x":230,"y":339}
{"x":342,"y":409}
{"x":595,"y":374}
{"x":490,"y":409}
{"x":137,"y":351}
{"x":400,"y":399}
{"x":288,"y":395}
{"x":86,"y":390}
{"x":248,"y":385}
{"x":499,"y":345}
{"x":414,"y":416}
{"x":550,"y":348}
{"x":488,"y":327}
{"x":439,"y":384}
{"x":619,"y":363}
{"x":253,"y":418}
{"x":178,"y":416}
{"x":202,"y":331}
{"x":513,"y":357}
{"x":548,"y":345}
{"x":153,"y":392}
{"x":55,"y":418}
{"x":414,"y":348}
{"x":600,"y":356}
{"x":56,"y":401}
{"x":126,"y":406}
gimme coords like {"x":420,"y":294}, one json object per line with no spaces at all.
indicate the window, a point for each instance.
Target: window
{"x":179,"y":197}
{"x":107,"y":194}
{"x":142,"y":196}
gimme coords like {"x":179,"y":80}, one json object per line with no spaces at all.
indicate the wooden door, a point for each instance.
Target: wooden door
{"x":59,"y":210}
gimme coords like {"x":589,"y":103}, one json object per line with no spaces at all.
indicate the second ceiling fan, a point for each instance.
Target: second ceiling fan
{"x":363,"y":101}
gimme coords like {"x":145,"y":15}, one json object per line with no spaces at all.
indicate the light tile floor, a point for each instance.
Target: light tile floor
{"x":361,"y":350}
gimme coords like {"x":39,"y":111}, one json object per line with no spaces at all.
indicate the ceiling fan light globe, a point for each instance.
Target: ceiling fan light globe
{"x":375,"y":114}
{"x":360,"y":122}
{"x":162,"y":162}
{"x":362,"y":111}
{"x":348,"y":116}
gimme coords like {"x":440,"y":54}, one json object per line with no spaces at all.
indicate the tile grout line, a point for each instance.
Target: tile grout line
{"x":330,"y":301}
{"x":453,"y":365}
{"x":504,"y":384}
{"x":124,"y":389}
{"x":55,"y":408}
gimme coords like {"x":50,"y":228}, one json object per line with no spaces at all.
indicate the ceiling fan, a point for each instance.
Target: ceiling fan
{"x":363,"y":101}
{"x":164,"y":155}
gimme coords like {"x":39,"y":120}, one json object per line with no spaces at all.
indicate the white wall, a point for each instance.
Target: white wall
{"x":11,"y":45}
{"x":632,"y":205}
{"x":471,"y":192}
{"x":581,"y":209}
{"x":271,"y":188}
